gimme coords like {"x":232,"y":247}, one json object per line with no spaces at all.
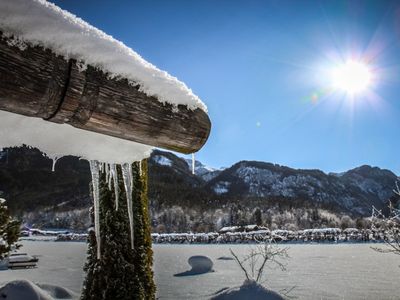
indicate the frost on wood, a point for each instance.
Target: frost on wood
{"x":128,"y":183}
{"x":40,"y":23}
{"x":94,"y":168}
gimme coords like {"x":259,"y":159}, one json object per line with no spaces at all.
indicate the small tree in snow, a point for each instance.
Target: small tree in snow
{"x":259,"y":258}
{"x":257,"y":216}
{"x":346,"y":222}
{"x":390,"y":225}
{"x":9,"y":230}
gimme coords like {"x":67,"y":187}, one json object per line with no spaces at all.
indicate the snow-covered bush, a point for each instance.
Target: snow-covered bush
{"x":388,"y":225}
{"x":260,"y":257}
{"x":9,"y":230}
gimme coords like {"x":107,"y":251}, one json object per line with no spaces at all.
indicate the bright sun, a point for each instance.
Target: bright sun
{"x":352,"y":77}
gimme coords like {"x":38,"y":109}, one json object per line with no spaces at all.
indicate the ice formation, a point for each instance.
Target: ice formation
{"x":109,"y":177}
{"x":53,"y":167}
{"x":40,"y":23}
{"x":114,"y":175}
{"x":111,"y":174}
{"x":128,"y":183}
{"x":193,"y":163}
{"x":94,"y":168}
{"x":57,"y":140}
{"x":107,"y":170}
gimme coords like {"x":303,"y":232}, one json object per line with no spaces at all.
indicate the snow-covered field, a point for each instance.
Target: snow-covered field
{"x":345,"y":271}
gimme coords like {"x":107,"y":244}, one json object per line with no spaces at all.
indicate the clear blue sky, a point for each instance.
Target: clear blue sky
{"x":260,"y":66}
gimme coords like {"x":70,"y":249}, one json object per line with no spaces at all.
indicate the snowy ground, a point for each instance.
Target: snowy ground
{"x":345,"y":271}
{"x":60,"y":263}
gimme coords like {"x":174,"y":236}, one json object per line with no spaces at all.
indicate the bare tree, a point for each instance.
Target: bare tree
{"x":261,"y":256}
{"x":389,"y":225}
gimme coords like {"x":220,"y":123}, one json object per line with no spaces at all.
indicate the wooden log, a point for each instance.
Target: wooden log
{"x":35,"y":82}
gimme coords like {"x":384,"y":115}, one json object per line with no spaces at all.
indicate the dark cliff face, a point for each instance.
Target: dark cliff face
{"x":28,"y":183}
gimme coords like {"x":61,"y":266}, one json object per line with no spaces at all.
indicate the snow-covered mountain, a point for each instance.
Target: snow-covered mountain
{"x":353,"y":191}
{"x":205,"y":172}
{"x":29,"y":185}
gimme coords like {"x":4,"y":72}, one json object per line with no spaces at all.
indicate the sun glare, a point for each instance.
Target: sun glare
{"x":352,"y":77}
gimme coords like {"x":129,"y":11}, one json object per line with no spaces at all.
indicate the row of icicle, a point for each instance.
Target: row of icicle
{"x":111,"y":177}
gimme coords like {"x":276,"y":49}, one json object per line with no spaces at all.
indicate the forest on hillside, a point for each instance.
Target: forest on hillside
{"x":179,"y":200}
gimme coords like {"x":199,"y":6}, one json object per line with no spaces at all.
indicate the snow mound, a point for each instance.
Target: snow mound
{"x":200,"y":265}
{"x":250,"y":290}
{"x":27,"y":290}
{"x":58,"y":292}
{"x":40,"y":23}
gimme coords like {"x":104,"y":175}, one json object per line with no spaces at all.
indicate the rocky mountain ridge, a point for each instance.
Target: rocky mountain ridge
{"x":354,"y":191}
{"x":248,"y":191}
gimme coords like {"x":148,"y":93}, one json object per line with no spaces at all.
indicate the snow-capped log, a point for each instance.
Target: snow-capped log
{"x":38,"y":83}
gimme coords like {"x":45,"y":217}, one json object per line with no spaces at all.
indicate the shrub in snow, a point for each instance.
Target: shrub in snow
{"x":388,"y":226}
{"x":253,"y":265}
{"x":260,"y":257}
{"x":9,"y":230}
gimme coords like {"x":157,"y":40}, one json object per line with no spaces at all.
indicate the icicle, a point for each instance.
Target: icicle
{"x":53,"y":168}
{"x":193,"y":163}
{"x":115,"y":179}
{"x":94,"y":168}
{"x":128,"y":182}
{"x":110,"y":179}
{"x":107,"y":168}
{"x":140,"y":168}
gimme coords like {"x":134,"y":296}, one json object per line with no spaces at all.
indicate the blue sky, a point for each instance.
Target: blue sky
{"x":262,"y":68}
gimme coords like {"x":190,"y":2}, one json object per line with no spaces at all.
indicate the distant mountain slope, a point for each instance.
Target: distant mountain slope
{"x":171,"y":182}
{"x":205,"y":172}
{"x":354,"y":191}
{"x":27,"y":181}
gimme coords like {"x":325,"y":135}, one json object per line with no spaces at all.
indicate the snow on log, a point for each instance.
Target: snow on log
{"x":37,"y":83}
{"x":57,"y":67}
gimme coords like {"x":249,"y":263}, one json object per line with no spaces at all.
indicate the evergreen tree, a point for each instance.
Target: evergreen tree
{"x":143,"y":255}
{"x":122,"y":272}
{"x":257,"y":216}
{"x":9,"y":230}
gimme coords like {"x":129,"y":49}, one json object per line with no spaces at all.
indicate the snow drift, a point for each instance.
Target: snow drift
{"x":27,"y":290}
{"x":249,"y":290}
{"x":200,"y":264}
